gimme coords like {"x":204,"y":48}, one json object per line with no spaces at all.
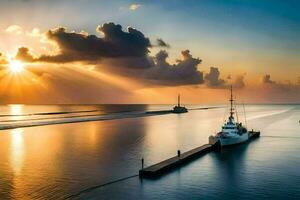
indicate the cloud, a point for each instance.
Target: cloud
{"x":24,"y":55}
{"x":270,"y":85}
{"x":157,"y":70}
{"x":279,"y":91}
{"x":14,"y":29}
{"x":18,"y":30}
{"x":120,"y":51}
{"x":239,"y":82}
{"x":267,"y":79}
{"x":162,"y":43}
{"x":213,"y":80}
{"x":115,"y":43}
{"x":184,"y":72}
{"x":134,"y":6}
{"x":35,"y":32}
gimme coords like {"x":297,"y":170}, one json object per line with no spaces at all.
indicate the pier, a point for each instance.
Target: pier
{"x":176,"y":161}
{"x":162,"y":167}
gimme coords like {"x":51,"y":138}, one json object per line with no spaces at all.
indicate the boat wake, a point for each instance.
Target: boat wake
{"x":275,"y":136}
{"x":268,"y":114}
{"x":50,"y":113}
{"x":42,"y":121}
{"x":72,"y":119}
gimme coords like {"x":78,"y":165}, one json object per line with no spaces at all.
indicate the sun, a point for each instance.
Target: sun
{"x":15,"y":66}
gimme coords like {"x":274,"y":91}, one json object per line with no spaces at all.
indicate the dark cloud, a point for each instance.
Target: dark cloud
{"x":279,"y":91}
{"x":239,"y":82}
{"x":158,"y":71}
{"x":286,"y":85}
{"x":213,"y":80}
{"x":24,"y":55}
{"x":121,"y":51}
{"x":182,"y":73}
{"x":115,"y":43}
{"x":267,"y":79}
{"x":162,"y":43}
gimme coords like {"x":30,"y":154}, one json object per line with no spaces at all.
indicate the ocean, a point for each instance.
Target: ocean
{"x":47,"y":153}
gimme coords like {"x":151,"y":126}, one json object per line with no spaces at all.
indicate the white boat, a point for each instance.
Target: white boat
{"x":232,"y":132}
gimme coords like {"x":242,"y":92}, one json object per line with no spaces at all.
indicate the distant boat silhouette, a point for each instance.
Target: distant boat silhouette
{"x":178,"y":108}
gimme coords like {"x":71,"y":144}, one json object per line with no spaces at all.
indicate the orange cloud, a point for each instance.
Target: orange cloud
{"x":134,"y":6}
{"x":14,"y":29}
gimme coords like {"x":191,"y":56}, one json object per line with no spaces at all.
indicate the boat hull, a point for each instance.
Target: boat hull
{"x":229,"y":140}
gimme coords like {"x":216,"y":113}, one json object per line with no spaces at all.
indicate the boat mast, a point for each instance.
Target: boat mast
{"x":178,"y":100}
{"x":231,"y":103}
{"x":245,"y":114}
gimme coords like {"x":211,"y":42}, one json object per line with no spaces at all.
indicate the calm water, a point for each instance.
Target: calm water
{"x":55,"y":161}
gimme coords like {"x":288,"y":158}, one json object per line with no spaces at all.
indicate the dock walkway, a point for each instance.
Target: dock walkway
{"x":171,"y":163}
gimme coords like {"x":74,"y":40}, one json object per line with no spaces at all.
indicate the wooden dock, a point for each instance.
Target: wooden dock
{"x":166,"y":165}
{"x":158,"y":169}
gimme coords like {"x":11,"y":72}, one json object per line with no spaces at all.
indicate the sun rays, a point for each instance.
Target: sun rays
{"x":15,"y":66}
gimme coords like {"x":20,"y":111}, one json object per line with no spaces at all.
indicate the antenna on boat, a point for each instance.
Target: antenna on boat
{"x":224,"y":114}
{"x":236,"y":113}
{"x":231,"y":103}
{"x":245,"y":114}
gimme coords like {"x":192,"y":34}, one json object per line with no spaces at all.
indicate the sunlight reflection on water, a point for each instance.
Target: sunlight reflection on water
{"x":17,"y":150}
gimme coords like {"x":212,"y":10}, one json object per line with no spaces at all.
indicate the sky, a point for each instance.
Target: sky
{"x":96,"y":51}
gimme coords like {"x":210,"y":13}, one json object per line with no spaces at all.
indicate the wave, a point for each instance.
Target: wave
{"x":89,"y":189}
{"x":21,"y":123}
{"x":77,"y":119}
{"x":268,"y":114}
{"x":50,"y":113}
{"x":53,"y":118}
{"x":206,"y":108}
{"x":274,"y":136}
